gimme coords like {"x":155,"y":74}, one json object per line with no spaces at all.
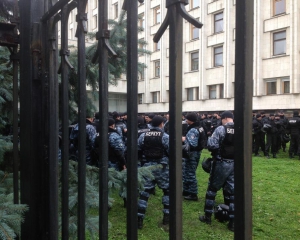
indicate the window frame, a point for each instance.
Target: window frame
{"x":197,"y":31}
{"x":156,"y":46}
{"x":140,"y":98}
{"x":275,"y":8}
{"x":279,"y":40}
{"x":210,"y":89}
{"x":141,"y":20}
{"x":157,"y":72}
{"x":216,"y":54}
{"x":156,"y":15}
{"x":283,"y":82}
{"x":155,"y":97}
{"x":218,"y":20}
{"x":193,"y":4}
{"x":271,"y":81}
{"x":116,"y":10}
{"x":193,"y":61}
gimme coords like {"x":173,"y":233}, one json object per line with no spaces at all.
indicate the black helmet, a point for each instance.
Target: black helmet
{"x":286,"y":138}
{"x":206,"y":164}
{"x":266,"y":128}
{"x":221,"y":213}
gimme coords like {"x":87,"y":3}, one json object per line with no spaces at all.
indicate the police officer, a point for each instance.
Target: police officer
{"x":221,"y":144}
{"x":155,"y":147}
{"x":120,"y":126}
{"x":167,"y":123}
{"x":148,"y":118}
{"x":258,"y":135}
{"x":90,"y":138}
{"x":285,"y":123}
{"x":196,"y":140}
{"x":293,"y":128}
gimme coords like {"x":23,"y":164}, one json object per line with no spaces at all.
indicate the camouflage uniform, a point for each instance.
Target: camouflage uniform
{"x":160,"y":173}
{"x":190,"y":163}
{"x":221,"y":174}
{"x":90,"y":138}
{"x":116,"y":150}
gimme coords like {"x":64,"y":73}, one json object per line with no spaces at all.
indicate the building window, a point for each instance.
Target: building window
{"x":141,"y":46}
{"x":221,"y":90}
{"x":116,"y":11}
{"x":194,"y":61}
{"x":157,"y":69}
{"x":218,"y":56}
{"x":212,"y":91}
{"x":156,"y":15}
{"x":141,"y":75}
{"x":192,"y":93}
{"x":271,"y":87}
{"x":194,"y":3}
{"x":141,"y":20}
{"x":279,"y":43}
{"x":279,"y":7}
{"x":140,"y":98}
{"x":194,"y":31}
{"x":285,"y":85}
{"x":156,"y":46}
{"x":155,"y":97}
{"x":95,"y":21}
{"x":218,"y":22}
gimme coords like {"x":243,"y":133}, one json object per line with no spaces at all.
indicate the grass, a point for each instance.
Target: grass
{"x":276,"y":212}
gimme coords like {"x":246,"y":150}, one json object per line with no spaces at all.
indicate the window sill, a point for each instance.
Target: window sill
{"x":192,"y":71}
{"x":192,"y":9}
{"x":155,"y":78}
{"x":216,"y":33}
{"x":277,"y":56}
{"x":194,"y":39}
{"x":215,"y":67}
{"x":155,"y":24}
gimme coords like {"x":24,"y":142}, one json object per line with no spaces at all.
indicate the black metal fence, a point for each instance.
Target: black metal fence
{"x":39,"y":109}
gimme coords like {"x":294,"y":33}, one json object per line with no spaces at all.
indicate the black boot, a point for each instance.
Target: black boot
{"x":205,"y":218}
{"x":291,"y":155}
{"x":191,"y":197}
{"x":140,"y":222}
{"x":184,"y":193}
{"x":274,"y":155}
{"x":231,"y":225}
{"x":166,"y":219}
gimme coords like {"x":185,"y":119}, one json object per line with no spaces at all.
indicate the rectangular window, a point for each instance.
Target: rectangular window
{"x":194,"y":31}
{"x":218,"y":56}
{"x":221,"y":90}
{"x":212,"y":92}
{"x":116,"y":11}
{"x":194,"y":61}
{"x":218,"y":22}
{"x":95,"y":21}
{"x":271,"y":87}
{"x":156,"y":46}
{"x":195,"y":3}
{"x":190,"y":94}
{"x":157,"y":69}
{"x":141,"y":46}
{"x":141,"y":20}
{"x":279,"y":7}
{"x":279,"y":43}
{"x":156,"y":15}
{"x":155,"y":97}
{"x":286,"y":85}
{"x":140,"y":98}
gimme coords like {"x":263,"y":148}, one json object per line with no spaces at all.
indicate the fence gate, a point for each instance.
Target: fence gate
{"x":39,"y":107}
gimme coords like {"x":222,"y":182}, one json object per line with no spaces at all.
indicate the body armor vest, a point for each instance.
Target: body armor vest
{"x":227,"y":147}
{"x":294,"y":125}
{"x":153,"y":147}
{"x":201,"y":140}
{"x":144,"y":130}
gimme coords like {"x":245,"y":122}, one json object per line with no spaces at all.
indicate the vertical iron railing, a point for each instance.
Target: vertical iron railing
{"x":132,"y":92}
{"x":174,"y":19}
{"x":243,"y":120}
{"x":81,"y":30}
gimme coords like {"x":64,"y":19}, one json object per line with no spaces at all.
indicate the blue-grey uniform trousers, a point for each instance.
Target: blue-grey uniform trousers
{"x":161,"y":178}
{"x":190,"y":183}
{"x":221,"y":176}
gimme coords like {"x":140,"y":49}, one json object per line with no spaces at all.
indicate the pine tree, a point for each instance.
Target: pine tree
{"x":11,"y":215}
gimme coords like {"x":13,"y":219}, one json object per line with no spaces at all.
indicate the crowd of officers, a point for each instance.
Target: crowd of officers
{"x":212,"y":131}
{"x":272,"y":133}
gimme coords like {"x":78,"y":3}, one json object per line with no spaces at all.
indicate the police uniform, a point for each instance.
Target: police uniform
{"x":191,"y":160}
{"x":294,"y":129}
{"x":154,"y":145}
{"x":221,"y":144}
{"x":90,"y":138}
{"x":258,"y":135}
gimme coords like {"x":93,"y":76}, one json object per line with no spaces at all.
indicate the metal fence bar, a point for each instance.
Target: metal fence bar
{"x":243,"y":120}
{"x":80,"y":34}
{"x":53,"y":10}
{"x":65,"y":124}
{"x":175,"y":83}
{"x":132,"y":92}
{"x":103,"y":110}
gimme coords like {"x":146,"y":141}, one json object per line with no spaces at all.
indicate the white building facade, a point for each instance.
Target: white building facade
{"x":209,"y":56}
